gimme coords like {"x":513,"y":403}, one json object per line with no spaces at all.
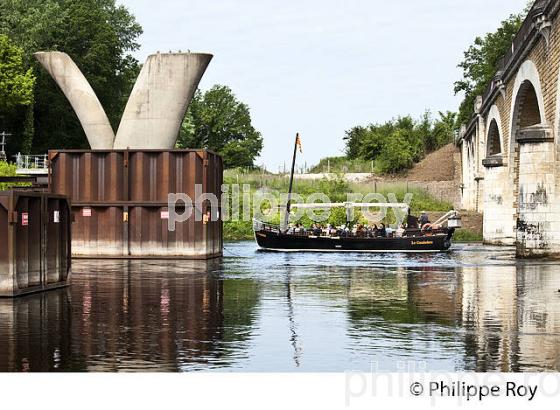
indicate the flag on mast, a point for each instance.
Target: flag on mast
{"x":298,"y":143}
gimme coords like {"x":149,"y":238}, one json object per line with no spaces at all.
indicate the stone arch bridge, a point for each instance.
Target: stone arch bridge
{"x":511,"y":147}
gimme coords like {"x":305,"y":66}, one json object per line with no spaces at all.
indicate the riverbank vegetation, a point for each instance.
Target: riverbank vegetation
{"x":6,"y":170}
{"x":391,"y":147}
{"x":396,"y":145}
{"x":466,"y":235}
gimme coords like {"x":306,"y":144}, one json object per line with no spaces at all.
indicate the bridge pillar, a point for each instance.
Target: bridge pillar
{"x":498,"y":217}
{"x":537,"y":212}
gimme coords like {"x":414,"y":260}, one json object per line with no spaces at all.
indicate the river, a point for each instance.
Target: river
{"x":475,"y":309}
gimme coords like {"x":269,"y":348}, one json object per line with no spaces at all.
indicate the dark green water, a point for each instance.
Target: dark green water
{"x":475,"y":308}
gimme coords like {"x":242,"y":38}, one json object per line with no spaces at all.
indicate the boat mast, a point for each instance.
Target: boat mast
{"x":287,"y":214}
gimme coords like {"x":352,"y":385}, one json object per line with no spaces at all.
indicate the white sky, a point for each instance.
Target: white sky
{"x":320,"y":67}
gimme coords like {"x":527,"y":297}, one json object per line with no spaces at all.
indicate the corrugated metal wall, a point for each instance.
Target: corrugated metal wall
{"x":35,"y":229}
{"x":120,"y":201}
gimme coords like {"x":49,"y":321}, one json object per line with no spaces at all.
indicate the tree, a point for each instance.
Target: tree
{"x":16,"y":82}
{"x":444,"y":128}
{"x":396,"y":155}
{"x":480,"y":63}
{"x":218,"y":121}
{"x":397,"y":145}
{"x":16,"y":92}
{"x":98,"y":35}
{"x":353,"y":140}
{"x":439,"y":132}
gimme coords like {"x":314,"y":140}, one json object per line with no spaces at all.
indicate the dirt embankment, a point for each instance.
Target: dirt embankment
{"x":439,"y":173}
{"x":437,"y":166}
{"x":441,"y":165}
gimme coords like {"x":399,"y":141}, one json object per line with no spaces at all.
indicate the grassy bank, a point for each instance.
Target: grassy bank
{"x":466,"y":235}
{"x":336,"y":189}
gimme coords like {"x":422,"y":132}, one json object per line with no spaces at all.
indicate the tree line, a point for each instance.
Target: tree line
{"x":101,"y":37}
{"x":397,"y":144}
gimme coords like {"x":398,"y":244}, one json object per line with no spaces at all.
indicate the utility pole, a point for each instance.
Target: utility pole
{"x":3,"y":136}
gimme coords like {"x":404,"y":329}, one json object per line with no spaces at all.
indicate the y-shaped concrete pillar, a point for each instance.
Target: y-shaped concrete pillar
{"x":158,"y":102}
{"x":81,"y":96}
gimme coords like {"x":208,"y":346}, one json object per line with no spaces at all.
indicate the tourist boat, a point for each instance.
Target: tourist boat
{"x":273,"y":238}
{"x":433,"y":238}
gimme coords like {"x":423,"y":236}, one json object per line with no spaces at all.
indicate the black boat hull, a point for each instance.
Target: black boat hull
{"x":275,"y":241}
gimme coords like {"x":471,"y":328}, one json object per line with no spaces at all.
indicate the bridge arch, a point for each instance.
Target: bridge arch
{"x":527,"y":103}
{"x":494,"y":140}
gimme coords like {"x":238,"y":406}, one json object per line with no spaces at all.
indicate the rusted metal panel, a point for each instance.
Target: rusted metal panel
{"x":35,"y":229}
{"x":118,"y":198}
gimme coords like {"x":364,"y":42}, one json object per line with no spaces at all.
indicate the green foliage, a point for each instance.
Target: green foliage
{"x":16,"y":82}
{"x":397,"y":154}
{"x":217,"y":120}
{"x":98,"y":35}
{"x":8,"y":170}
{"x":341,"y":165}
{"x":397,"y":145}
{"x":466,"y":235}
{"x":421,"y":199}
{"x":480,"y":63}
{"x":238,"y":230}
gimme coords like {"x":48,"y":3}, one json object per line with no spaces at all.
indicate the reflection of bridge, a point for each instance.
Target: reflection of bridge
{"x":509,"y":148}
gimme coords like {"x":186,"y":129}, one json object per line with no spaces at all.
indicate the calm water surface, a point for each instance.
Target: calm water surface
{"x":475,"y":308}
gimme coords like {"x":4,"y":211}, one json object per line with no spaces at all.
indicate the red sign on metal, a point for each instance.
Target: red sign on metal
{"x":24,"y":219}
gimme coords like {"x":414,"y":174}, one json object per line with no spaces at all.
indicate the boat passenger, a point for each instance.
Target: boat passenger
{"x":424,"y":219}
{"x":373,"y":231}
{"x":316,"y":230}
{"x":399,"y":233}
{"x":389,"y":232}
{"x":382,"y":231}
{"x":360,"y":232}
{"x":411,"y":221}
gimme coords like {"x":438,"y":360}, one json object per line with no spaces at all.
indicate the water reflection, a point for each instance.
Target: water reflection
{"x":485,"y":318}
{"x":35,"y":332}
{"x":474,"y":309}
{"x":513,"y":314}
{"x":132,"y":315}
